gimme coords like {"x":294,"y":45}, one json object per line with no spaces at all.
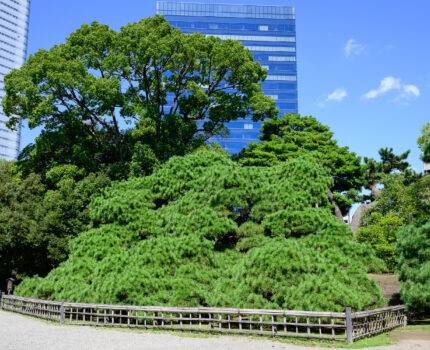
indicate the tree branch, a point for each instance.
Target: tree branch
{"x":84,"y":106}
{"x":180,"y":84}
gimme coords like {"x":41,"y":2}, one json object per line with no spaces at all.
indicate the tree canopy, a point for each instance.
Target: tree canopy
{"x":375,"y":171}
{"x":37,"y":220}
{"x":403,"y":200}
{"x":203,"y":230}
{"x":292,"y":136}
{"x":424,"y":143}
{"x":177,"y":89}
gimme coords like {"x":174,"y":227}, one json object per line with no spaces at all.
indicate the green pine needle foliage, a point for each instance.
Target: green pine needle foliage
{"x":413,"y":265}
{"x":206,"y":231}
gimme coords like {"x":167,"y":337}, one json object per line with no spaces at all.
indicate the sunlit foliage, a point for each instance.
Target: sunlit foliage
{"x":204,"y":230}
{"x":413,"y":248}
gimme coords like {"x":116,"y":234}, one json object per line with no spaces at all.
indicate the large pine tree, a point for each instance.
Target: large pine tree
{"x":204,"y":230}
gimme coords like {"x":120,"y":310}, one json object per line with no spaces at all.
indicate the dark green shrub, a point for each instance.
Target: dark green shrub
{"x":413,"y":249}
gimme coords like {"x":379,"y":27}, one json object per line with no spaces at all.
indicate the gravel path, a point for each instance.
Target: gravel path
{"x":20,"y":332}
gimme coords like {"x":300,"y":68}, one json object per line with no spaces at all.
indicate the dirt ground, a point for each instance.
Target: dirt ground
{"x":20,"y":332}
{"x":389,"y":283}
{"x":412,"y":337}
{"x":390,"y":286}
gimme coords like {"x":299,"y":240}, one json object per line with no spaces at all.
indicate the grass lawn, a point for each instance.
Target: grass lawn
{"x":378,"y":340}
{"x":383,"y":339}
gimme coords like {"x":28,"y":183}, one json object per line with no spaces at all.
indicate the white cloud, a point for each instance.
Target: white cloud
{"x":337,"y":95}
{"x":410,"y":91}
{"x":407,"y":91}
{"x":387,"y":84}
{"x":352,"y":47}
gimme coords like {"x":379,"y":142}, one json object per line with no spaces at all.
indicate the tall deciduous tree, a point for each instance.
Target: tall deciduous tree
{"x":37,"y":221}
{"x":23,"y":247}
{"x":177,"y":88}
{"x":292,"y":136}
{"x":399,"y":203}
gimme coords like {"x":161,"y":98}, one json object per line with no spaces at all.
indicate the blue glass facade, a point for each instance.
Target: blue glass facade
{"x":14,"y":16}
{"x":269,"y":32}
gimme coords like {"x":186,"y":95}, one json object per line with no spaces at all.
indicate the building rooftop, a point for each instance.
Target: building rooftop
{"x":225,"y":10}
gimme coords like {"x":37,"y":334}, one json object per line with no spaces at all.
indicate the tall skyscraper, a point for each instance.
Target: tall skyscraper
{"x":269,"y":32}
{"x":14,"y":16}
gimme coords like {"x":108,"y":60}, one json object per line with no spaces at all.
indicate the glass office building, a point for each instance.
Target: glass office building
{"x":269,"y":32}
{"x":14,"y":16}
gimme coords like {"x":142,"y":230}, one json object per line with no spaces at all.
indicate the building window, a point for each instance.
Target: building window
{"x":271,"y":41}
{"x":281,"y":77}
{"x":282,"y":58}
{"x":271,"y":48}
{"x":252,"y":37}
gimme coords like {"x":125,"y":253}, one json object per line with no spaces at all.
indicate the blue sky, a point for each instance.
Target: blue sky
{"x":363,"y":66}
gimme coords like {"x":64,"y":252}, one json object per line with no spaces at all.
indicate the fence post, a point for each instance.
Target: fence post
{"x":405,"y":321}
{"x":1,"y":300}
{"x":348,"y":314}
{"x":62,"y":311}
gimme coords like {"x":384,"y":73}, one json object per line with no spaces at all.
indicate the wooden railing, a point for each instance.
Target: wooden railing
{"x":333,"y":326}
{"x":376,"y":321}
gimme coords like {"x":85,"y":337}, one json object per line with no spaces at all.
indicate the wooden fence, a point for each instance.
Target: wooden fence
{"x":333,"y":326}
{"x":365,"y":323}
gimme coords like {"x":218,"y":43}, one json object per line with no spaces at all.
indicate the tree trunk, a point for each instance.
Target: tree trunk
{"x":337,"y":211}
{"x":358,"y":214}
{"x":374,"y":192}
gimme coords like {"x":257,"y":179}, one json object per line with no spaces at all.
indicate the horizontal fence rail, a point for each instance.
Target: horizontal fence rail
{"x":332,"y":326}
